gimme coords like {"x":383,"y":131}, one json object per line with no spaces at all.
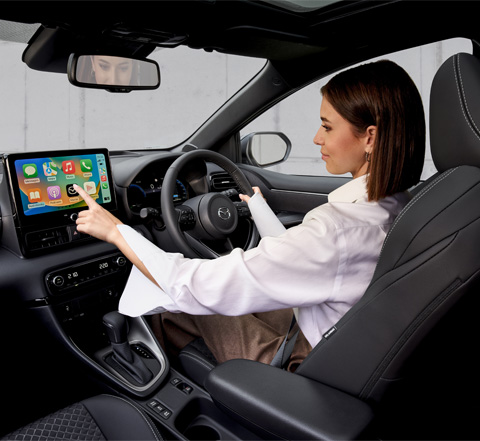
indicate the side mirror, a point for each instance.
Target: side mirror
{"x":264,"y":149}
{"x":115,"y":74}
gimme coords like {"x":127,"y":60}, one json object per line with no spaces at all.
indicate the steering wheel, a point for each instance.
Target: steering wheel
{"x":209,"y":216}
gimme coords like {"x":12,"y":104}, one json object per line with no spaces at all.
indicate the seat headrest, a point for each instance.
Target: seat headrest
{"x":455,"y":113}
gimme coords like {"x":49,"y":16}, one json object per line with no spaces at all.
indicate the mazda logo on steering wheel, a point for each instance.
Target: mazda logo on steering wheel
{"x":224,"y":213}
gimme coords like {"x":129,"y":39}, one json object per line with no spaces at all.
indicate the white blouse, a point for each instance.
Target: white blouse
{"x":322,"y":266}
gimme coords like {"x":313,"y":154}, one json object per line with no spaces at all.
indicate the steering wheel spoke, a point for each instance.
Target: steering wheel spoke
{"x":201,"y":226}
{"x":200,"y":247}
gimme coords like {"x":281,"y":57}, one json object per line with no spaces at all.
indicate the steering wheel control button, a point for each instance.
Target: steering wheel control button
{"x":186,"y":217}
{"x":242,"y":209}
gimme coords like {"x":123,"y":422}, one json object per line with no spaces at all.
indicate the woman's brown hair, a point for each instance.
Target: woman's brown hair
{"x":382,"y":94}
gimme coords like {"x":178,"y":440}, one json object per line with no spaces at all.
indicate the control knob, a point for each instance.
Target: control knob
{"x":120,"y":261}
{"x":58,"y":281}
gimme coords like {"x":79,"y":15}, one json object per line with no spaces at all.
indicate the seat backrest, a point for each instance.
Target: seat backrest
{"x":430,"y":259}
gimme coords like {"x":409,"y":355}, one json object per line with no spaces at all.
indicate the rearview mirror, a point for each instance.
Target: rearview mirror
{"x":115,"y":74}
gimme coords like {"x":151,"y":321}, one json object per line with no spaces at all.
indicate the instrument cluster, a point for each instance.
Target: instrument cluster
{"x":146,"y":188}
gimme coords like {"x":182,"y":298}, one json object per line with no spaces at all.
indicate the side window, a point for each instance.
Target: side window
{"x":298,"y":116}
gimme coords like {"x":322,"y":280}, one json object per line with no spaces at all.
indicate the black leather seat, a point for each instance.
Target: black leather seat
{"x":104,"y":417}
{"x":430,"y":259}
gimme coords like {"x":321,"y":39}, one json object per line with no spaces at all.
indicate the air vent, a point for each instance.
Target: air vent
{"x":222,"y":181}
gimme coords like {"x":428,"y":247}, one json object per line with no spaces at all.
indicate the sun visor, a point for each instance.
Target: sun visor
{"x":50,"y":48}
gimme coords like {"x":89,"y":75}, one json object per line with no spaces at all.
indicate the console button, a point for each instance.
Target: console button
{"x":186,"y":388}
{"x":166,"y":414}
{"x":153,"y":404}
{"x":121,"y":261}
{"x":58,"y":281}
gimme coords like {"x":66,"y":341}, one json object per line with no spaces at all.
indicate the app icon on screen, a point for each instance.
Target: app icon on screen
{"x":34,"y":195}
{"x":54,"y":192}
{"x":30,"y":170}
{"x":90,"y":187}
{"x":49,"y":169}
{"x":71,"y":192}
{"x":68,"y":167}
{"x":86,"y":165}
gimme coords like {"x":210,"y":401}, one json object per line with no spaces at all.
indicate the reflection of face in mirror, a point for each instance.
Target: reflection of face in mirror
{"x":109,"y":72}
{"x":112,"y":70}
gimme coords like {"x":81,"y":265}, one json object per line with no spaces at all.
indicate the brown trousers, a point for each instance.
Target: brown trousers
{"x":252,"y":336}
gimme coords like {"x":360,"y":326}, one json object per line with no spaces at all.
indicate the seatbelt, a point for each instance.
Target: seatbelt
{"x":285,"y":350}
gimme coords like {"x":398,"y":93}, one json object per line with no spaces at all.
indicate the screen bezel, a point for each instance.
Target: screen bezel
{"x":62,"y":217}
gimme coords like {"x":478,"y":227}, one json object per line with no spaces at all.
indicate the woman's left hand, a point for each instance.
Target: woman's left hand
{"x":245,"y":198}
{"x":96,"y":221}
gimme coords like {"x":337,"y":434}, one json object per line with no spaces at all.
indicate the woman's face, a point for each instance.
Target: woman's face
{"x":112,"y":70}
{"x":342,"y":150}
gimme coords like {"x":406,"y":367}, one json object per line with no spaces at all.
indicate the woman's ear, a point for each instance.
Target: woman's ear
{"x":370,"y":135}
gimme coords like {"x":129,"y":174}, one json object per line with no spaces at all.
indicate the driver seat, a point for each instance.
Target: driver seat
{"x":430,"y":261}
{"x":430,"y":258}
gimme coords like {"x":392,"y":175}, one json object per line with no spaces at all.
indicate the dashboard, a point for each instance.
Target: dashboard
{"x":39,"y":202}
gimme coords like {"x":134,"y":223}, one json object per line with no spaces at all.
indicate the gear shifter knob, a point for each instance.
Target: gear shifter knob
{"x":123,"y":359}
{"x":116,"y":326}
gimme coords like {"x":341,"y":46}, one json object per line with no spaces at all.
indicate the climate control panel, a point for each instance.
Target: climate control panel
{"x":67,"y":279}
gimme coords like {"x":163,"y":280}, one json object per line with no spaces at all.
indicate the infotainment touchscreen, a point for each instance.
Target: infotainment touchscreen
{"x":43,"y":183}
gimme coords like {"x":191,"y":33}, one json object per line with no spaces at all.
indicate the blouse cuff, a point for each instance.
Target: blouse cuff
{"x":265,"y":219}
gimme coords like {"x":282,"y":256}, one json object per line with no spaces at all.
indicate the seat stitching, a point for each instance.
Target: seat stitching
{"x":462,"y":96}
{"x":416,"y":199}
{"x":154,"y":432}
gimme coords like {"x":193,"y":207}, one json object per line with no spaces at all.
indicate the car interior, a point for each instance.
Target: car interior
{"x":400,"y":364}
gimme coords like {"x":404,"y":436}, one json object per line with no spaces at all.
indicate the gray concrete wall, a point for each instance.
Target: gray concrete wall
{"x":42,"y":111}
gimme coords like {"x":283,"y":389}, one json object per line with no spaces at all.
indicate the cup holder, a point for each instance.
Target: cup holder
{"x":201,"y":432}
{"x":200,"y":419}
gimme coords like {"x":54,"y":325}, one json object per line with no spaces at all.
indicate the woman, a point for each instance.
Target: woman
{"x":372,"y":127}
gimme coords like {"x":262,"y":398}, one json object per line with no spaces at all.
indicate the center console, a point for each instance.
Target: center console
{"x":77,"y":300}
{"x":82,"y":304}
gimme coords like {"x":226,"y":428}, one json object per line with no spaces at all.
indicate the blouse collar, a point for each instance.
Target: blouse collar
{"x":351,"y":191}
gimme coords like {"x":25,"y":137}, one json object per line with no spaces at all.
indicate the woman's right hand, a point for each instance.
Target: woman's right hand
{"x":96,"y":221}
{"x":245,"y":198}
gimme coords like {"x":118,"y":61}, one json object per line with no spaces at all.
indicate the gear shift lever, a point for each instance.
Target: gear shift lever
{"x":116,"y":327}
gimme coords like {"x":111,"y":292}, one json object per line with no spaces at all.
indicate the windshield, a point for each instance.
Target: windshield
{"x":45,"y":112}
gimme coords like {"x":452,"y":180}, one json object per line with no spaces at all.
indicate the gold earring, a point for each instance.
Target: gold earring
{"x":368,"y":156}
